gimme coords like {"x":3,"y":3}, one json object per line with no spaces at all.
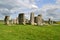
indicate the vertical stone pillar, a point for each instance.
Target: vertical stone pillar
{"x":39,"y":20}
{"x":35,"y":19}
{"x":14,"y":21}
{"x":27,"y":21}
{"x":17,"y":21}
{"x":32,"y":18}
{"x":11,"y":21}
{"x":6,"y":20}
{"x":50,"y":21}
{"x":21,"y":18}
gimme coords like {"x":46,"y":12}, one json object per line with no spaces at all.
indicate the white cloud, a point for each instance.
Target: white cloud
{"x":50,"y":6}
{"x":7,"y":7}
{"x":50,"y":10}
{"x":15,"y":5}
{"x":58,"y":2}
{"x":4,"y":11}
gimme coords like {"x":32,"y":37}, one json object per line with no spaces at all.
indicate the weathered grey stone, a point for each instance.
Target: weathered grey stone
{"x":14,"y":21}
{"x":11,"y":21}
{"x":35,"y":19}
{"x":50,"y":21}
{"x":39,"y":20}
{"x":27,"y":21}
{"x":17,"y":21}
{"x":21,"y":18}
{"x":6,"y":20}
{"x":32,"y":18}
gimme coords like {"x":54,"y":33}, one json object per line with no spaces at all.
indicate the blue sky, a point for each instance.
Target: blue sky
{"x":48,"y":8}
{"x":40,"y":3}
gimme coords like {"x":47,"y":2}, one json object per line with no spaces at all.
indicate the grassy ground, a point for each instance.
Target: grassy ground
{"x":29,"y":32}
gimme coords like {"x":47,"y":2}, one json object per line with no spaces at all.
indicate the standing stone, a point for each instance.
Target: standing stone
{"x":39,"y":20}
{"x":35,"y":19}
{"x":17,"y":21}
{"x":50,"y":21}
{"x":6,"y":20}
{"x":27,"y":21}
{"x":21,"y":18}
{"x":32,"y":18}
{"x":11,"y":21}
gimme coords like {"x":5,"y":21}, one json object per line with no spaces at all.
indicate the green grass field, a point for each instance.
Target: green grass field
{"x":29,"y":32}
